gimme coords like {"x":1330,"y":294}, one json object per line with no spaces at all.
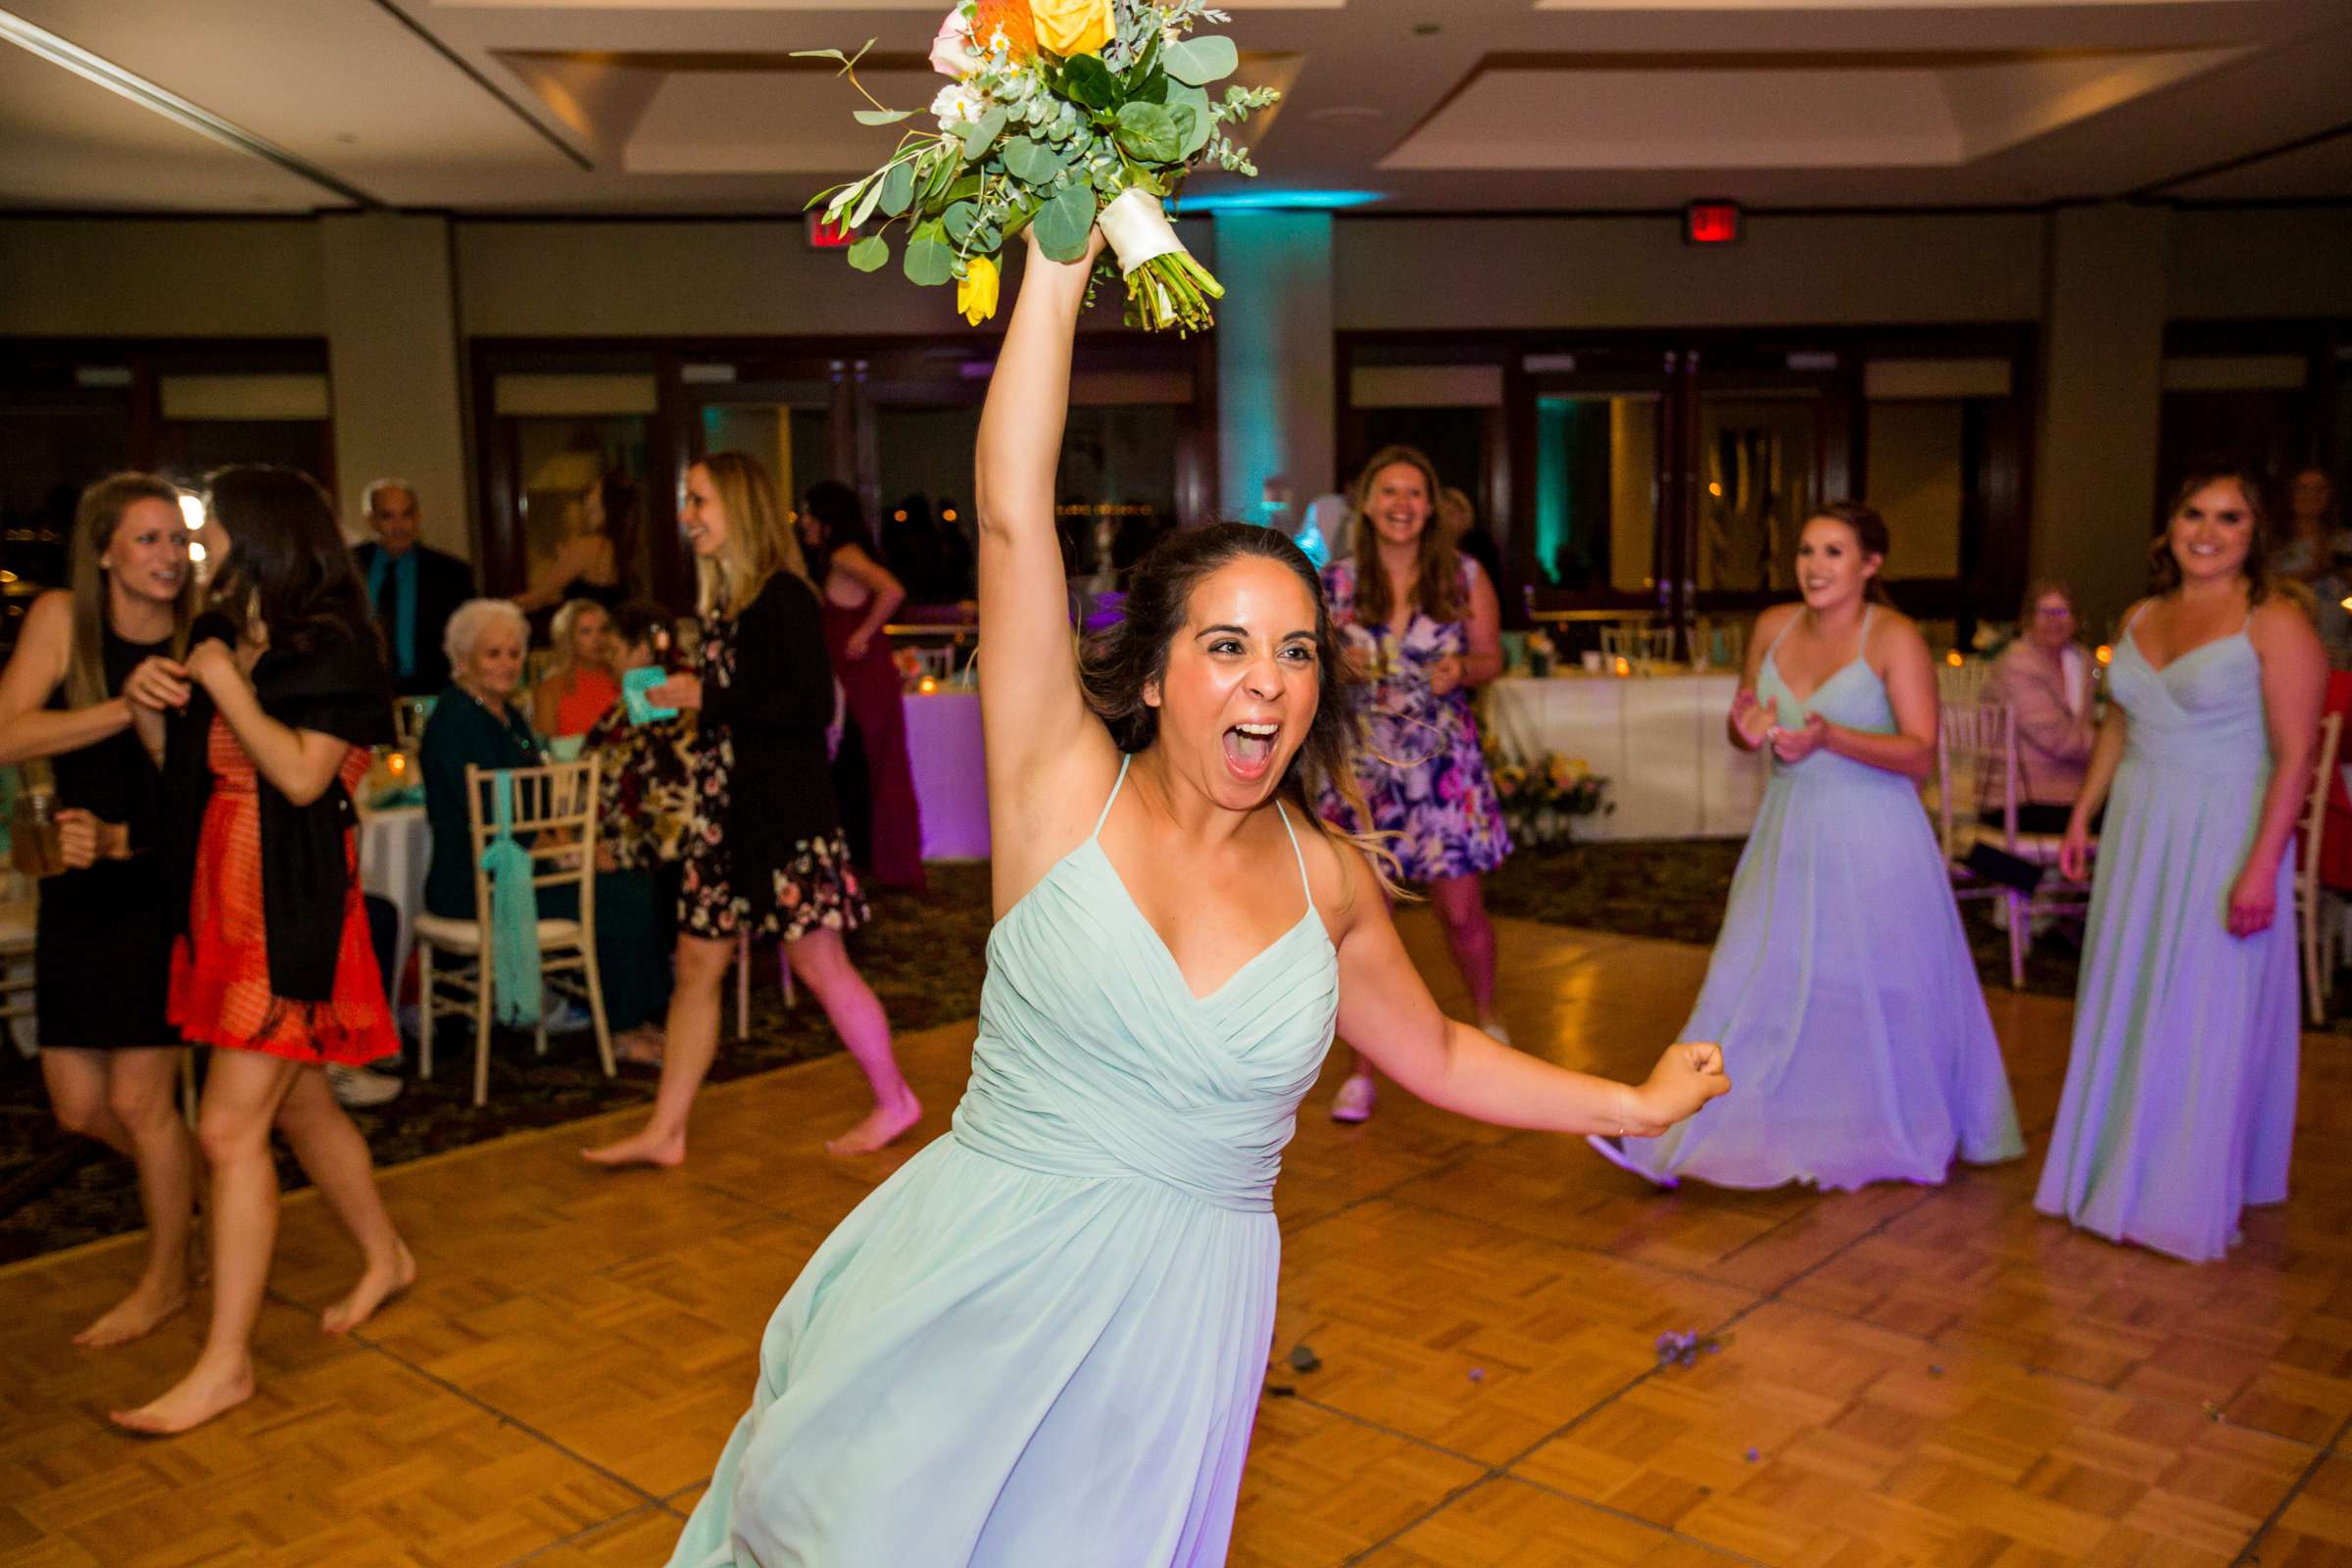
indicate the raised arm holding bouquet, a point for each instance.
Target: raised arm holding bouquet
{"x":1061,"y":114}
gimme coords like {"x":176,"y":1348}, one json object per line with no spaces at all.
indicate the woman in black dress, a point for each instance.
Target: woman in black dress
{"x":86,"y":656}
{"x":766,"y":853}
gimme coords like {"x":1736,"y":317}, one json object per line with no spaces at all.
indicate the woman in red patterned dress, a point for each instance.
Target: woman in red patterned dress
{"x":273,"y":967}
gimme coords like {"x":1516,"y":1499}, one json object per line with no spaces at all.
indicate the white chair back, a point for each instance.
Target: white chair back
{"x":1639,"y":645}
{"x":1976,"y":771}
{"x":555,"y":820}
{"x":2316,"y":930}
{"x":1962,"y":683}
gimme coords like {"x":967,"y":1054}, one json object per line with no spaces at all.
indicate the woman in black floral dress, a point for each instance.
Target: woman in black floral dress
{"x":764,"y":852}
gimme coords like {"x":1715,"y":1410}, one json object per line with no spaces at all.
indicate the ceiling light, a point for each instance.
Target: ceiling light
{"x":1262,"y":200}
{"x":172,"y":106}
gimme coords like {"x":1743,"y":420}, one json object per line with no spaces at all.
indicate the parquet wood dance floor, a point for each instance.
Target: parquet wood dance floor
{"x":1907,"y":1375}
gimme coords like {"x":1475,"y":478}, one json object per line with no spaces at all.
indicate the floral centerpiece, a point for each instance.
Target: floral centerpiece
{"x":1541,"y":800}
{"x":1058,"y":115}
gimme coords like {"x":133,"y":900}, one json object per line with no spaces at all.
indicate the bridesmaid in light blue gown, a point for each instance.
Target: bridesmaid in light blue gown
{"x":2180,"y":1102}
{"x":1042,"y":1341}
{"x":1842,"y":987}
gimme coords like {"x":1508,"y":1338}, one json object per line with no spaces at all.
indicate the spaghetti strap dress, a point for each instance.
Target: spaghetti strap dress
{"x":102,"y":953}
{"x":220,"y":992}
{"x":2180,"y":1102}
{"x":1042,"y":1341}
{"x":1842,"y":989}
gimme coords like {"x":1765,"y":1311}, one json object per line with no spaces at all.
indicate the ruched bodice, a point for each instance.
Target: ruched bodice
{"x":2180,"y":1102}
{"x":1854,"y":697}
{"x":1095,"y":1058}
{"x":2203,"y":710}
{"x":1050,"y":1327}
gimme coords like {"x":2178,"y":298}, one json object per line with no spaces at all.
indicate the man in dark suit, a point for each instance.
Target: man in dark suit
{"x":414,"y":587}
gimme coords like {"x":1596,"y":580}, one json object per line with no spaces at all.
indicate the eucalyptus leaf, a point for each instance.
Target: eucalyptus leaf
{"x":1150,"y":133}
{"x":898,"y":187}
{"x":1193,"y":100}
{"x":1198,"y":62}
{"x":982,"y":133}
{"x":1065,"y":222}
{"x":1088,"y":80}
{"x":881,"y":117}
{"x":1147,"y":61}
{"x":930,"y":259}
{"x":958,"y":219}
{"x":869,"y":254}
{"x":964,"y":189}
{"x":1030,"y":162}
{"x":1155,"y":90}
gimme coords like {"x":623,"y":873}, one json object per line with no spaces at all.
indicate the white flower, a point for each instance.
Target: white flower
{"x":959,"y":105}
{"x":951,"y":50}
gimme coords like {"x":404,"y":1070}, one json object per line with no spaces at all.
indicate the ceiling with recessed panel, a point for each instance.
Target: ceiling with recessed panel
{"x":696,"y":106}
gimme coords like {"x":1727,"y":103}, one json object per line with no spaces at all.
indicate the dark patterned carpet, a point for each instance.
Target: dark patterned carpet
{"x":923,"y":956}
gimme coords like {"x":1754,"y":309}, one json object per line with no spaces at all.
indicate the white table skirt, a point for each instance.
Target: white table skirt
{"x":1658,"y":740}
{"x":951,"y":773}
{"x":395,"y":848}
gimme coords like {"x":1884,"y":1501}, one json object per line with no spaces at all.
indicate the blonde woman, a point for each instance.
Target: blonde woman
{"x":87,"y":663}
{"x":766,"y":851}
{"x":579,"y":685}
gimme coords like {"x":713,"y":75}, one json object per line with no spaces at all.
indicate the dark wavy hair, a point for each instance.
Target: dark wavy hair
{"x":287,"y":567}
{"x":1869,"y":532}
{"x":2164,"y":572}
{"x":1118,"y":662}
{"x":839,"y":520}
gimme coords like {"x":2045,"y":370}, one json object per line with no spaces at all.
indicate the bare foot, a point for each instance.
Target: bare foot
{"x":138,"y":1313}
{"x":194,"y":1399}
{"x":647,"y":1148}
{"x":641,"y":1047}
{"x":881,"y":1125}
{"x":376,"y":1287}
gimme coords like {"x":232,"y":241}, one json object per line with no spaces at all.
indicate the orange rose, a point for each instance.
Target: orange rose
{"x":1010,"y":18}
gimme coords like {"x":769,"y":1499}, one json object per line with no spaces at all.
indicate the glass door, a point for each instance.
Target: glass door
{"x":1769,"y":443}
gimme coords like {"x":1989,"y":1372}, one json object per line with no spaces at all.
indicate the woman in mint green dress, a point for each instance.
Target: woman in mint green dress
{"x":2180,"y":1102}
{"x":1041,"y":1343}
{"x":1842,"y":986}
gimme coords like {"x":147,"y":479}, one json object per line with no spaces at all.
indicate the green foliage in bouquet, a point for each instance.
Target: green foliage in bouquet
{"x":1059,"y":115}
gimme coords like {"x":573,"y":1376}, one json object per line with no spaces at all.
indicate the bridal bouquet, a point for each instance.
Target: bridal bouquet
{"x":1061,"y":115}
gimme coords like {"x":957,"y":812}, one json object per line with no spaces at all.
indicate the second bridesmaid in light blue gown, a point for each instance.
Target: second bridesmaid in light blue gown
{"x":1842,"y":988}
{"x":2180,"y":1102}
{"x":1041,"y":1343}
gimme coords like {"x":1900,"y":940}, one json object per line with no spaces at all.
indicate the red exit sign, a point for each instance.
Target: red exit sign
{"x":1711,"y":223}
{"x":825,"y":237}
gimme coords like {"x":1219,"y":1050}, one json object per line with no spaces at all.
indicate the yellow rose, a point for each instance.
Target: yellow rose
{"x":976,"y":290}
{"x":1074,"y":27}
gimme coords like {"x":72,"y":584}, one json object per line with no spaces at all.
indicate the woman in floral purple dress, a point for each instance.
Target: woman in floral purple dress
{"x":1422,"y":619}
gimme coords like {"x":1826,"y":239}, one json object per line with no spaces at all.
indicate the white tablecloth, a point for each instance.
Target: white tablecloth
{"x":395,"y":848}
{"x":951,"y":773}
{"x":1658,"y":740}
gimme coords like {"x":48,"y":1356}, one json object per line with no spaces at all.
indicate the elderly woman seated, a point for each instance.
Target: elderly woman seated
{"x":2045,"y":677}
{"x":478,"y":722}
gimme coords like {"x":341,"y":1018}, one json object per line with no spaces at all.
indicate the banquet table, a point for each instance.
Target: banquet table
{"x":951,"y":773}
{"x":1657,"y":739}
{"x":395,"y":848}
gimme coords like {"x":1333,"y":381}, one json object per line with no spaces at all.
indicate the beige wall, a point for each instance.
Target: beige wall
{"x":160,"y":277}
{"x":684,"y":279}
{"x":392,"y":362}
{"x":1637,"y":271}
{"x":2095,"y":495}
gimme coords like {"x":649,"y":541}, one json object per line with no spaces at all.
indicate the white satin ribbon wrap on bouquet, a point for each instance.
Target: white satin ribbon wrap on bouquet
{"x":1137,"y":228}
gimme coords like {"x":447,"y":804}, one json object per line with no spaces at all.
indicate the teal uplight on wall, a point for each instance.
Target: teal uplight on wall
{"x":1255,"y":200}
{"x":1555,"y":439}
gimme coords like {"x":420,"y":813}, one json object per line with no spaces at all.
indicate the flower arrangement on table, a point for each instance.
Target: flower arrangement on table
{"x":1541,"y":800}
{"x":1061,"y":114}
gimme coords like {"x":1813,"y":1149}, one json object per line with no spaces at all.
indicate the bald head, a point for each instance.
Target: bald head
{"x":392,"y":515}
